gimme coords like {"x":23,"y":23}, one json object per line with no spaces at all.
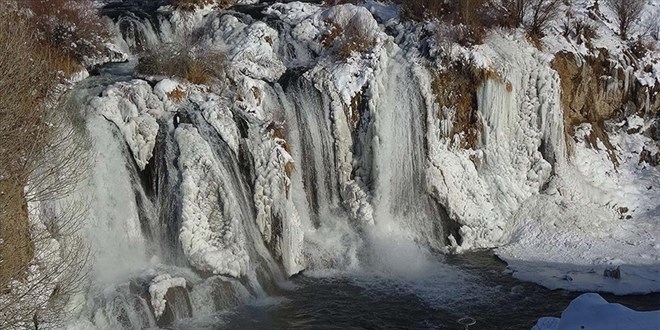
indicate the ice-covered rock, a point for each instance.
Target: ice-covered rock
{"x":158,"y":289}
{"x":591,"y":311}
{"x":134,"y":108}
{"x":212,"y":232}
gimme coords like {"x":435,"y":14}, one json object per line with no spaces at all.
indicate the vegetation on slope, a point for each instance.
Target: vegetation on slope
{"x":43,"y":157}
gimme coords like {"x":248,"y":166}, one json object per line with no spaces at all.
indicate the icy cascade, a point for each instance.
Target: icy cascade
{"x":522,"y":139}
{"x":166,"y":197}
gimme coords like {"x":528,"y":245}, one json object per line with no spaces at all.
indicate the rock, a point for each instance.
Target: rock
{"x":613,"y":273}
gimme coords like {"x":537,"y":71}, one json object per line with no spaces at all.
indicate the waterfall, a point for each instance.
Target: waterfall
{"x":329,"y":166}
{"x":401,"y":202}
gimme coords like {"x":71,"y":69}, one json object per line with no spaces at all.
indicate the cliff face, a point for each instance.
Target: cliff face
{"x":596,"y":89}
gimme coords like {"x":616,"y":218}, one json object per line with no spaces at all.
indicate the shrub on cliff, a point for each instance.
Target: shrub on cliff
{"x":193,"y":4}
{"x":72,"y":27}
{"x":42,"y":158}
{"x":198,"y":66}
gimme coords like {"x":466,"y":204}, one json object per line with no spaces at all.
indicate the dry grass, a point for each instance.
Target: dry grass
{"x":456,"y":88}
{"x":193,"y":4}
{"x":17,"y":249}
{"x":345,"y":41}
{"x":75,"y":28}
{"x":197,"y":67}
{"x":177,"y":95}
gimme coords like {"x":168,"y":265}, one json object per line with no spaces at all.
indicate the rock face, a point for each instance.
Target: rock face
{"x":177,"y":306}
{"x":598,"y":88}
{"x":592,"y":91}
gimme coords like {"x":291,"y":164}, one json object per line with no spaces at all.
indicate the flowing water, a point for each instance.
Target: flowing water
{"x":474,"y":285}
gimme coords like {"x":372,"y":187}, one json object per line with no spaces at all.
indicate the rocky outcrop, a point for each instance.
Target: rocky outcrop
{"x":598,"y":88}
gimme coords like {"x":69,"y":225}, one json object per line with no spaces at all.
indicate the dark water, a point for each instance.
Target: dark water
{"x":475,"y":285}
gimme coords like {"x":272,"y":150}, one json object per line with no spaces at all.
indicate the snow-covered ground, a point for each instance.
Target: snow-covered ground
{"x":599,"y":217}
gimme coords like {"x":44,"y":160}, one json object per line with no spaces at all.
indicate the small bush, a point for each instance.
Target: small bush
{"x":193,"y":4}
{"x":456,"y":87}
{"x":626,"y":13}
{"x":347,"y":40}
{"x":177,"y":95}
{"x":541,"y":13}
{"x":579,"y":29}
{"x":341,"y":2}
{"x":358,"y":43}
{"x":196,"y":66}
{"x":74,"y":28}
{"x":421,"y":10}
{"x":463,"y":35}
{"x":39,"y":145}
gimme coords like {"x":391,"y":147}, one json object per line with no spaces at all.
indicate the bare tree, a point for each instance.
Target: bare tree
{"x":626,"y":13}
{"x":539,"y":14}
{"x":534,"y":15}
{"x":42,"y":260}
{"x":510,"y":13}
{"x":651,"y":27}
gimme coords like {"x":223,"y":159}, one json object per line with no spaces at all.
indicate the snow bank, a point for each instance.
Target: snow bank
{"x":591,"y":311}
{"x":599,"y":217}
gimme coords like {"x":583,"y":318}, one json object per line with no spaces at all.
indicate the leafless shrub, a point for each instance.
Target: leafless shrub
{"x":651,"y":27}
{"x":27,"y":79}
{"x":340,"y":2}
{"x":353,"y":40}
{"x":463,"y":35}
{"x":41,"y":150}
{"x":509,"y":13}
{"x":53,"y":277}
{"x":626,"y":12}
{"x":72,"y":27}
{"x":198,"y":66}
{"x":61,"y":163}
{"x":192,"y":4}
{"x":421,"y":10}
{"x":540,"y":13}
{"x":39,"y":288}
{"x":579,"y":29}
{"x":347,"y":40}
{"x":534,"y":15}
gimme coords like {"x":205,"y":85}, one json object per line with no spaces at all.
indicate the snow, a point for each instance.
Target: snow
{"x":134,"y":109}
{"x":483,"y":198}
{"x":250,"y":48}
{"x":591,"y":311}
{"x":600,"y":217}
{"x":158,"y":289}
